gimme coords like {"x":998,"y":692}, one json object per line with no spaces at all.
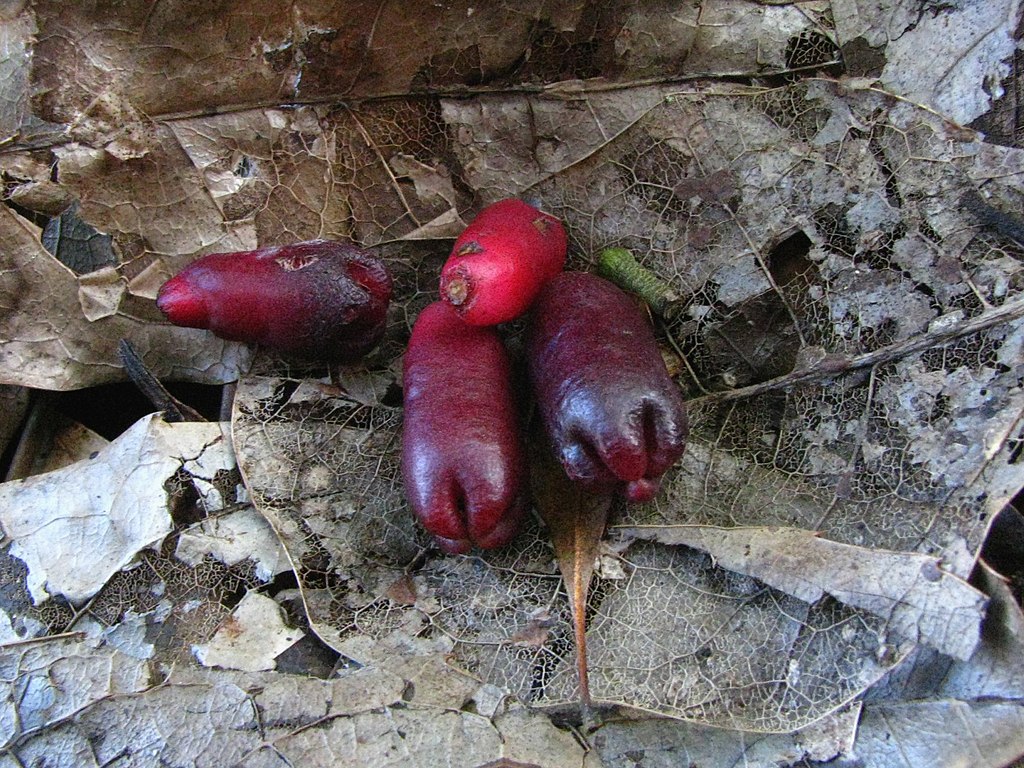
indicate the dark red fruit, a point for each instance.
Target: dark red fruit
{"x":614,"y":416}
{"x":320,"y":300}
{"x":463,"y":462}
{"x":500,"y":262}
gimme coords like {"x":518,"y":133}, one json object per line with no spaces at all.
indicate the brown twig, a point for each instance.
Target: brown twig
{"x":172,"y":408}
{"x":834,"y":365}
{"x":36,"y":434}
{"x":77,"y":635}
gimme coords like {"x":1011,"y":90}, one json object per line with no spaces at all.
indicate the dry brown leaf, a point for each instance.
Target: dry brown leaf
{"x":272,"y":174}
{"x":49,"y":342}
{"x":279,"y":52}
{"x":506,"y":146}
{"x":16,"y":34}
{"x":575,"y":521}
{"x":72,"y":442}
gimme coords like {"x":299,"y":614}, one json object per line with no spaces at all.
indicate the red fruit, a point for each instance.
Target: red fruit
{"x":318,"y":300}
{"x":500,"y":262}
{"x":613,"y":414}
{"x":463,"y":462}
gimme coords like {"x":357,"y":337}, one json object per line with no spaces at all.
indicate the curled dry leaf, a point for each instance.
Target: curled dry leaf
{"x":911,"y":591}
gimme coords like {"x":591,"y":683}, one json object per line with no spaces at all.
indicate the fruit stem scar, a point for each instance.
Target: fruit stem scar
{"x":542,"y":224}
{"x":457,"y":290}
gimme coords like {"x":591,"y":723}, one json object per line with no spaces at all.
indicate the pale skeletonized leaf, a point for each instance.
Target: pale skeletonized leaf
{"x":156,"y":204}
{"x":73,"y":543}
{"x":910,"y":591}
{"x":666,"y":744}
{"x":996,"y":670}
{"x":974,"y":698}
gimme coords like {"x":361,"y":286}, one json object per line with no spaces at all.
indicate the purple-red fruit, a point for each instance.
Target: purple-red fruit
{"x":501,"y":260}
{"x":463,"y":461}
{"x":321,"y":299}
{"x":614,"y":416}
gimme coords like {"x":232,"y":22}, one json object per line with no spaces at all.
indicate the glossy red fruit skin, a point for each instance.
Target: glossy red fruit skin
{"x":501,"y":260}
{"x":463,"y":461}
{"x":613,"y":414}
{"x":319,"y":300}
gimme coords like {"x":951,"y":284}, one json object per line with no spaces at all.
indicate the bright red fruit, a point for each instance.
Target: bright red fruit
{"x":321,"y":299}
{"x":463,"y":461}
{"x":612,"y":412}
{"x":500,"y":262}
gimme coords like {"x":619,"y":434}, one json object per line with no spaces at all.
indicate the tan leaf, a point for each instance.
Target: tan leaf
{"x":15,"y":71}
{"x":576,"y":521}
{"x":49,"y":342}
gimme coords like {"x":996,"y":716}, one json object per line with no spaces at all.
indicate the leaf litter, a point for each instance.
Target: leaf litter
{"x":852,"y":348}
{"x":864,"y":456}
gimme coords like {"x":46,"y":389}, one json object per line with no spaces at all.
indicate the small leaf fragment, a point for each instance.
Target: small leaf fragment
{"x":251,"y":638}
